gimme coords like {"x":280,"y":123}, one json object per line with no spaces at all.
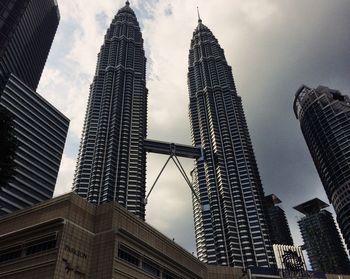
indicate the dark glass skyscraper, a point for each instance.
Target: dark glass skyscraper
{"x":112,"y":160}
{"x":324,"y":116}
{"x":27,"y":29}
{"x":230,"y":223}
{"x":41,"y":132}
{"x":322,"y":239}
{"x":277,"y":221}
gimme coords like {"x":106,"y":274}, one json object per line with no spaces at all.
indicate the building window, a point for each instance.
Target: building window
{"x":40,"y":245}
{"x":151,"y":269}
{"x":126,"y":255}
{"x":10,"y":254}
{"x":29,"y":248}
{"x":169,"y":275}
{"x":148,"y":266}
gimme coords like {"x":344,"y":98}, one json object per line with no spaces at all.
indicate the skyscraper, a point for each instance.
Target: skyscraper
{"x":41,"y":131}
{"x":230,"y":224}
{"x":112,"y":159}
{"x":277,"y":221}
{"x":322,"y":239}
{"x":27,"y":29}
{"x":324,"y":116}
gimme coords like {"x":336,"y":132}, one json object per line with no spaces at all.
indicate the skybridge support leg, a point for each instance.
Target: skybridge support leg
{"x":155,"y":182}
{"x":182,"y":171}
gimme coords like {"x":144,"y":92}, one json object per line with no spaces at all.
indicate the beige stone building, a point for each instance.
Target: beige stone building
{"x":67,"y":237}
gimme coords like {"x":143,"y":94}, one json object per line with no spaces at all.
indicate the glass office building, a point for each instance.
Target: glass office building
{"x":41,"y":131}
{"x":321,"y":238}
{"x":27,"y":29}
{"x":324,"y":116}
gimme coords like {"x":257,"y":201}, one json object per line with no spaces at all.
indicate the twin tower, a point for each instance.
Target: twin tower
{"x":230,"y":224}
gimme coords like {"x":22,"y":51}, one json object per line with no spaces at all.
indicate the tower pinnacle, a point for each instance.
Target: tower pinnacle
{"x":199,"y":17}
{"x":127,"y":3}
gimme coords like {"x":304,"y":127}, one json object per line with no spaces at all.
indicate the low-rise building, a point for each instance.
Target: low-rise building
{"x":67,"y":237}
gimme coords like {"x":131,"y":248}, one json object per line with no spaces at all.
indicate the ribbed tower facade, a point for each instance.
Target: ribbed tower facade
{"x":324,"y":116}
{"x":230,"y":224}
{"x":112,"y":161}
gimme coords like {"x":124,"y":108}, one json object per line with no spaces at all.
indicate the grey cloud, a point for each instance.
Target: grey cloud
{"x":309,"y":43}
{"x":168,"y":11}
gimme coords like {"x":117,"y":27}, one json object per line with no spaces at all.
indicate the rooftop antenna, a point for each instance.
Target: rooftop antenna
{"x":199,"y":16}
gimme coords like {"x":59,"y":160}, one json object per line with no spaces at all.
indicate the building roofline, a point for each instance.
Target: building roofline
{"x":74,"y":198}
{"x":13,"y":79}
{"x":273,"y":198}
{"x":311,"y":206}
{"x":297,"y":93}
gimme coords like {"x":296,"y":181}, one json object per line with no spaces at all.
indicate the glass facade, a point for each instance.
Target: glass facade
{"x":11,"y":12}
{"x":27,"y":29}
{"x":41,"y":132}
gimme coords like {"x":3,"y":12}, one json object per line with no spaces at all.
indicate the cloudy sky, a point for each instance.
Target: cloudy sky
{"x":273,"y":48}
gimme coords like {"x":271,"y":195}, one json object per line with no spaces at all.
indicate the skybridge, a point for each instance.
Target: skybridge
{"x":174,"y":150}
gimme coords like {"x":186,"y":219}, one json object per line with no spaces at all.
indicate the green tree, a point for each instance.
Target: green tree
{"x":8,"y":146}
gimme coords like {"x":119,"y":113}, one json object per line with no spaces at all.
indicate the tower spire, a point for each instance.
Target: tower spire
{"x":127,"y":3}
{"x":199,"y":16}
